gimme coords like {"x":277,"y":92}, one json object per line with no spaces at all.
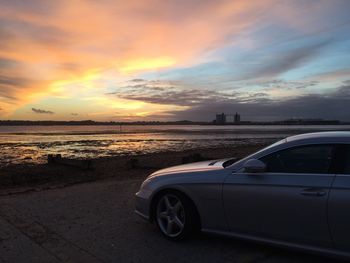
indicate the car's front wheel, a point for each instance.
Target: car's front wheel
{"x":175,"y":215}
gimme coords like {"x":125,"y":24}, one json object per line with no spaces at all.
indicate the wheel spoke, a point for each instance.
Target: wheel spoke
{"x":178,"y":222}
{"x":177,"y":206}
{"x":167,"y":202}
{"x":169,"y":228}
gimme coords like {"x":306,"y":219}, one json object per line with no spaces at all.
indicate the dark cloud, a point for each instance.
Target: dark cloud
{"x":170,"y":95}
{"x":10,"y":98}
{"x":259,"y":95}
{"x":258,"y":105}
{"x":10,"y":86}
{"x":281,"y":62}
{"x":144,"y":87}
{"x":333,"y":105}
{"x":46,"y":35}
{"x":74,"y":114}
{"x":7,"y":63}
{"x":181,"y":98}
{"x":30,"y":6}
{"x":137,"y":80}
{"x":282,"y":84}
{"x":11,"y":81}
{"x":40,"y":111}
{"x":163,"y":93}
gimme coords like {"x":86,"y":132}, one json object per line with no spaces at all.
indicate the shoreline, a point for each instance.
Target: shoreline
{"x":36,"y":152}
{"x":174,"y":129}
{"x":123,"y":167}
{"x":170,"y":123}
{"x":32,"y":145}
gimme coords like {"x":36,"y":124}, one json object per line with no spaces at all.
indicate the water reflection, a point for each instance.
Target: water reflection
{"x":32,"y":144}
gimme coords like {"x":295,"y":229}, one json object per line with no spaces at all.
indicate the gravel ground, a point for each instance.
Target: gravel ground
{"x":95,"y":222}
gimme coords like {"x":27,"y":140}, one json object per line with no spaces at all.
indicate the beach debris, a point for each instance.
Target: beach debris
{"x":58,"y":159}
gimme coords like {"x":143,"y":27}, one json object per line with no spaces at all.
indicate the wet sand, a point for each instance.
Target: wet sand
{"x":31,"y":144}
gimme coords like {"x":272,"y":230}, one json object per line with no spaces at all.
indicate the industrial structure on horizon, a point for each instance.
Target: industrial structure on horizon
{"x":223,"y":118}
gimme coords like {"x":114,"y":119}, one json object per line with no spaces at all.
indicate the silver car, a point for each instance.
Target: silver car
{"x":294,"y":193}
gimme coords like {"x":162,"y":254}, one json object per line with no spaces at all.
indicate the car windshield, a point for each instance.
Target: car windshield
{"x":272,"y":145}
{"x":235,"y":160}
{"x":230,"y":162}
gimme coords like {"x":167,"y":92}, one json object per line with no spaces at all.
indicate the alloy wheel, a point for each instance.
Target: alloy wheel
{"x":171,"y":215}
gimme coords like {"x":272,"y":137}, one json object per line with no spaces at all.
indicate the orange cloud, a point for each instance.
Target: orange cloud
{"x":64,"y":46}
{"x":147,"y":64}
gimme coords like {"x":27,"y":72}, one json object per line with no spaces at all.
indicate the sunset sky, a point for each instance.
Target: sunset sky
{"x":114,"y":60}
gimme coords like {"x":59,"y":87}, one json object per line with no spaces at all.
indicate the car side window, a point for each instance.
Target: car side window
{"x":302,"y":159}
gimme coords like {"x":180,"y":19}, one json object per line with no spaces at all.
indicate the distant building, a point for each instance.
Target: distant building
{"x":223,"y":118}
{"x":220,"y":118}
{"x":237,"y":118}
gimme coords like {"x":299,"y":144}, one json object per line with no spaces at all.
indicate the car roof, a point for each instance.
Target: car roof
{"x":320,"y":135}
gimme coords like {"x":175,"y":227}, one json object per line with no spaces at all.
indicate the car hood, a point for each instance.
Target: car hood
{"x":193,"y":167}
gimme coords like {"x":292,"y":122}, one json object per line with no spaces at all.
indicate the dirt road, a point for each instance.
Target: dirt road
{"x":95,"y":222}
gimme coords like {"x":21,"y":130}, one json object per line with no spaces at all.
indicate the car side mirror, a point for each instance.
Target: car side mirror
{"x":254,"y":166}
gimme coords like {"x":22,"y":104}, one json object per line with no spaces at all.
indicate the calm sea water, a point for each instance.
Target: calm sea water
{"x":32,"y":144}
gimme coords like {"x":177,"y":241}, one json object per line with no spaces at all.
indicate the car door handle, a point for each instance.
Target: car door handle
{"x":313,"y":192}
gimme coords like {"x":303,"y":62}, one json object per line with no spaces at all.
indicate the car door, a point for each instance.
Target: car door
{"x":287,"y":202}
{"x":339,"y":203}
